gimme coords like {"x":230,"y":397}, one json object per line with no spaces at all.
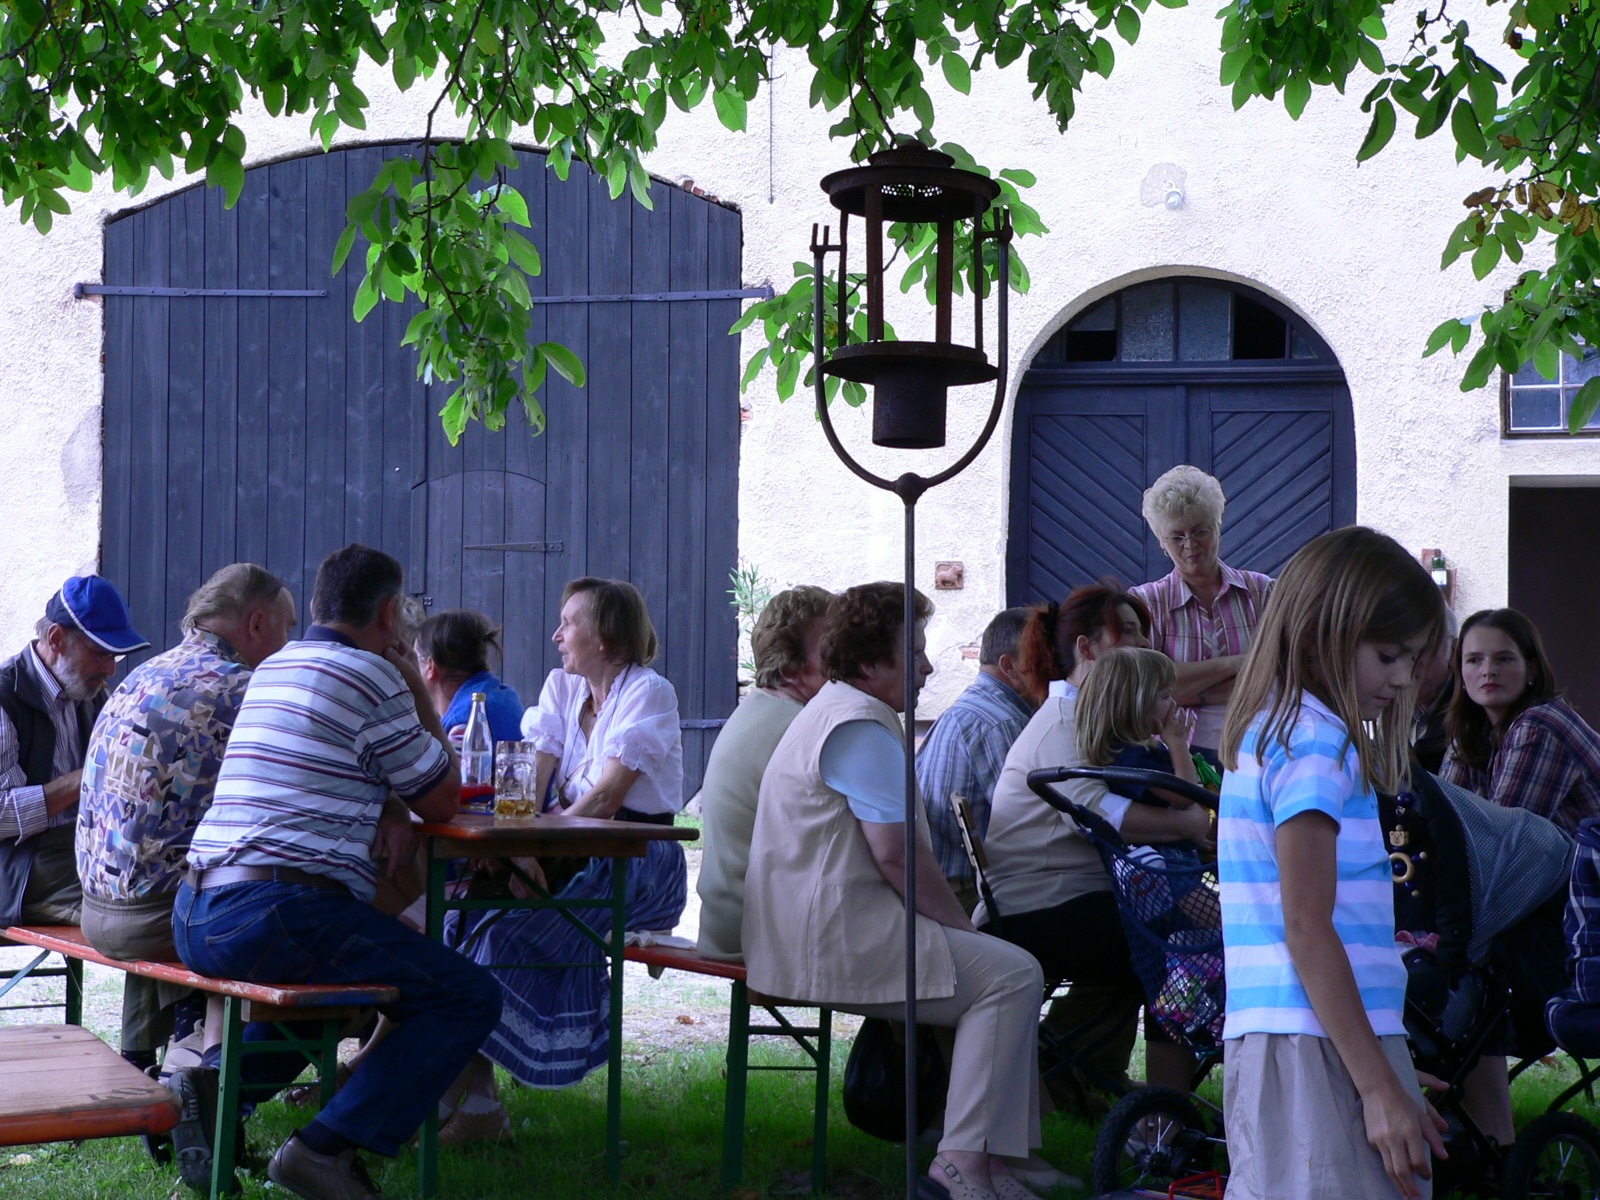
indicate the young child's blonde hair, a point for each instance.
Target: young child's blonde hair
{"x":1116,"y":700}
{"x":1350,"y":586}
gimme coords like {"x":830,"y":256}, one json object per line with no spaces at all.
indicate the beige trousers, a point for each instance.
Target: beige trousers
{"x":993,"y":1101}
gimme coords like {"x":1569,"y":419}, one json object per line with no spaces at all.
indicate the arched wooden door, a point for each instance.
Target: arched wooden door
{"x":1178,"y":370}
{"x":274,"y":427}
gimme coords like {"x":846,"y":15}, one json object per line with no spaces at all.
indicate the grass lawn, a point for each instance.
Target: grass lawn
{"x":673,"y":1123}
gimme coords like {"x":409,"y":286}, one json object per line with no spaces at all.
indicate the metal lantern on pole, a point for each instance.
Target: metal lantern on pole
{"x":913,"y":185}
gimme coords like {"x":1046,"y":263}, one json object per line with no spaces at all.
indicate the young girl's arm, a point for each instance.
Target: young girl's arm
{"x":1175,"y":737}
{"x":1308,"y":869}
{"x":1146,"y":825}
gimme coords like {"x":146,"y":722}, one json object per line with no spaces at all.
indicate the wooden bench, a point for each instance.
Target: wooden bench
{"x":330,"y":1005}
{"x":60,"y":1083}
{"x":815,"y":1040}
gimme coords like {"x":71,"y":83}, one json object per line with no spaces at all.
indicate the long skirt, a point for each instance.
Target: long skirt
{"x":555,"y":1024}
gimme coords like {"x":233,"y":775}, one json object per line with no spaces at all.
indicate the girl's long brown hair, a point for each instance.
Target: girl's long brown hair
{"x":1350,"y":586}
{"x":1473,"y":735}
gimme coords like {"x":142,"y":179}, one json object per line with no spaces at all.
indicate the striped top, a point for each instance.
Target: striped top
{"x":325,"y":732}
{"x":1187,"y":633}
{"x":1317,"y":772}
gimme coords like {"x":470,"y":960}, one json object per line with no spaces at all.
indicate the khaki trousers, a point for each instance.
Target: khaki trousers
{"x":993,"y":1101}
{"x":133,"y":930}
{"x":53,"y":896}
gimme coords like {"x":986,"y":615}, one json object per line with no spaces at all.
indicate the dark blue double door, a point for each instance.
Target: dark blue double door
{"x":1086,"y":445}
{"x":274,"y":428}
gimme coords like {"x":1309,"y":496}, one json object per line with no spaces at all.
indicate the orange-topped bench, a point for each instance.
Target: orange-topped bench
{"x":60,"y":1083}
{"x":264,"y":1001}
{"x":328,"y":1005}
{"x":815,"y":1040}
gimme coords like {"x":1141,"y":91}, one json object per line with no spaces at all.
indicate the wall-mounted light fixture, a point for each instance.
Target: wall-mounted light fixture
{"x":1441,"y":573}
{"x":1174,"y":198}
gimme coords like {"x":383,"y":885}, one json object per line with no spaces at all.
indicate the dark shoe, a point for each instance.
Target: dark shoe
{"x":196,"y":1089}
{"x":299,"y":1169}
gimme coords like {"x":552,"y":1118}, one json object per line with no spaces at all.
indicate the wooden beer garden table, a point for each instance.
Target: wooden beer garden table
{"x":479,"y":836}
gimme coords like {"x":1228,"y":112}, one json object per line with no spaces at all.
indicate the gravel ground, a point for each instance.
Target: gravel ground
{"x":677,"y":1011}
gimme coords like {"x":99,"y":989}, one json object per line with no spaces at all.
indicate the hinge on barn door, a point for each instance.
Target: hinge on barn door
{"x":523,"y":547}
{"x":80,"y":290}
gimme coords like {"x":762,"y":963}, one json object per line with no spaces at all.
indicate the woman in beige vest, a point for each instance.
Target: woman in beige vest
{"x":824,"y":915}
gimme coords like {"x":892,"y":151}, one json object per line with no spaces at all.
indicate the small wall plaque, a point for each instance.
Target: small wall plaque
{"x":949,"y":576}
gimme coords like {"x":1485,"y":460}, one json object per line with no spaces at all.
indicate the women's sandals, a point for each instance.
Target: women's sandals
{"x":948,"y":1183}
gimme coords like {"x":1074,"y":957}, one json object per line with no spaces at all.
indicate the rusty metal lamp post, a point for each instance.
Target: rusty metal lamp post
{"x":910,"y":380}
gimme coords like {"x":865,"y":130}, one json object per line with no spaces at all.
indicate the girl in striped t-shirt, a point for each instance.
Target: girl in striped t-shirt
{"x":1321,"y":1099}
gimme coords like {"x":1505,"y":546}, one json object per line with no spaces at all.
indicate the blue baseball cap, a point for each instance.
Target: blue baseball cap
{"x":92,"y":606}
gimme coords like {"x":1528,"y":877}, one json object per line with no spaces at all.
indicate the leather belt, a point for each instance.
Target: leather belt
{"x":215,"y":877}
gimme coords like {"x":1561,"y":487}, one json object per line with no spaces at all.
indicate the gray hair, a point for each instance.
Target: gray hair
{"x":410,"y":619}
{"x":1184,"y":493}
{"x":231,"y":594}
{"x":1002,"y":635}
{"x":41,"y":627}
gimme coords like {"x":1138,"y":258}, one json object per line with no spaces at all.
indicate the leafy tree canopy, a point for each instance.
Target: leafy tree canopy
{"x":90,"y":87}
{"x":1535,"y":134}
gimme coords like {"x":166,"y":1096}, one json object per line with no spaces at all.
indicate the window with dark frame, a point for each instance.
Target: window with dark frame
{"x":1533,"y":406}
{"x":1178,"y":320}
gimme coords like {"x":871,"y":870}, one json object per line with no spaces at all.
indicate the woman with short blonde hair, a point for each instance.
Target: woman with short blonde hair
{"x":1204,"y":613}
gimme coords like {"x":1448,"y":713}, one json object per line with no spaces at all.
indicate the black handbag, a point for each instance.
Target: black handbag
{"x":875,"y":1080}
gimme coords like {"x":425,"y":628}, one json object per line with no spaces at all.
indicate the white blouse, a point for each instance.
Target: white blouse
{"x":638,"y":725}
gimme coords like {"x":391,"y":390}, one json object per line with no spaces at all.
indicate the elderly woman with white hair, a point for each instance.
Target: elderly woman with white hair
{"x":1203,"y":615}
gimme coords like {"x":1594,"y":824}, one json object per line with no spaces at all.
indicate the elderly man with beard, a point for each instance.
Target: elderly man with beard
{"x":50,"y":694}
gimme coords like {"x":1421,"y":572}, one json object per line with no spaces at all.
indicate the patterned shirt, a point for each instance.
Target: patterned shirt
{"x":1548,"y":763}
{"x":325,"y":732}
{"x":152,"y":765}
{"x":964,"y":753}
{"x":1187,"y":633}
{"x":1318,"y":771}
{"x":22,"y":808}
{"x":1583,"y":916}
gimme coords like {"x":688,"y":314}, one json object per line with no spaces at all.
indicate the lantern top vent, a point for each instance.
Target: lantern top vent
{"x":918,"y":185}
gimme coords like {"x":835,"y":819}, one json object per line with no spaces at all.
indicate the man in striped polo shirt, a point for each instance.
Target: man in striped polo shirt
{"x":283,"y":873}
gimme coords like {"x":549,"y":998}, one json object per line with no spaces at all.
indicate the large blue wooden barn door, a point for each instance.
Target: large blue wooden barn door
{"x":274,"y":427}
{"x":1163,"y":373}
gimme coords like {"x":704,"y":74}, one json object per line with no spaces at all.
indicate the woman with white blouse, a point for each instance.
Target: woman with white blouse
{"x":606,"y":734}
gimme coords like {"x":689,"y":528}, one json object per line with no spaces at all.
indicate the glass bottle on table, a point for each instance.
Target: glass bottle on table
{"x":477,"y":759}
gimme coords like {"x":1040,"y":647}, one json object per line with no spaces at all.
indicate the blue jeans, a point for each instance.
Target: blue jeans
{"x":287,"y":933}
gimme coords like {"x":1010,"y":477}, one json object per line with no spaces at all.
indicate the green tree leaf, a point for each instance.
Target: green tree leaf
{"x":1379,"y":132}
{"x":730,"y":108}
{"x":566,"y":363}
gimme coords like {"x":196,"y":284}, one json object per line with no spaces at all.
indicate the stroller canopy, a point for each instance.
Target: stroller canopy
{"x":1516,"y":860}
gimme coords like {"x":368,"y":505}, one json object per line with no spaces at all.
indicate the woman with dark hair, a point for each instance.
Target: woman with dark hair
{"x":606,"y":734}
{"x":1048,"y":881}
{"x":824,"y":917}
{"x":453,"y":654}
{"x":1512,"y":738}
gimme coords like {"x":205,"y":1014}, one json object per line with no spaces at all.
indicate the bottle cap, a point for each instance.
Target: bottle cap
{"x":480,"y":695}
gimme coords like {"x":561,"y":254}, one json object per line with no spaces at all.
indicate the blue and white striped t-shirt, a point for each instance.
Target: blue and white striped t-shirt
{"x":325,"y":732}
{"x":1317,"y":772}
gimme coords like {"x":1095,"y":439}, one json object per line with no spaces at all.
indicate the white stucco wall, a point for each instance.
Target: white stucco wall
{"x":1275,"y":203}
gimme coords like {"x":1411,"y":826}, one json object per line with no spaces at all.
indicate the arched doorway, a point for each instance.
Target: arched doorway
{"x":1170,"y":371}
{"x":249,"y":416}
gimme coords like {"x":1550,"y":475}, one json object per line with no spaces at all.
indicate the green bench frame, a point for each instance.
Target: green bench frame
{"x":815,"y":1040}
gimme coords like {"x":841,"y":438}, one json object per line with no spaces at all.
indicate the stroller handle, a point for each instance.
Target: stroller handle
{"x":1039,"y":781}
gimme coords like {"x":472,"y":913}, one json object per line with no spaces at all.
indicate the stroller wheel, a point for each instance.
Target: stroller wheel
{"x":1153,"y":1136}
{"x":1556,"y":1156}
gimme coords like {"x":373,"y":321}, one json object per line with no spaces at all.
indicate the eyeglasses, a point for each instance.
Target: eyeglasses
{"x":1195,"y":537}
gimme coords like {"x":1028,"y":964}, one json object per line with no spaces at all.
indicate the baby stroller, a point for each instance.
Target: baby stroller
{"x":1479,"y":891}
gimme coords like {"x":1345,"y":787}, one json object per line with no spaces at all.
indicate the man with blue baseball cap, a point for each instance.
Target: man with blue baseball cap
{"x":50,"y":695}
